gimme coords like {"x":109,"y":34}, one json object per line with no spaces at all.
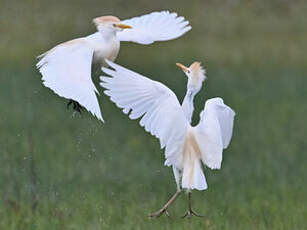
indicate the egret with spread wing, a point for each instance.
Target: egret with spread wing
{"x":66,"y":69}
{"x":162,"y":115}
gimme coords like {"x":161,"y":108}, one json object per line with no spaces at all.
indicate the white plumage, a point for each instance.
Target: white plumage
{"x":155,"y":103}
{"x":71,"y":79}
{"x":66,"y":68}
{"x":163,"y":116}
{"x":214,"y":131}
{"x":156,"y":26}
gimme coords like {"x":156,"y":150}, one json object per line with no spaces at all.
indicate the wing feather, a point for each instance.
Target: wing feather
{"x":156,"y":105}
{"x":214,"y":131}
{"x":156,"y":26}
{"x":66,"y":69}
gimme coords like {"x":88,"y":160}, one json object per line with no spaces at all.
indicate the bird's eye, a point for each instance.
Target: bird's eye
{"x":189,"y":71}
{"x":113,"y":25}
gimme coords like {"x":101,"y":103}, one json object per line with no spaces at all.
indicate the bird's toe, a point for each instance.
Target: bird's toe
{"x":191,"y":213}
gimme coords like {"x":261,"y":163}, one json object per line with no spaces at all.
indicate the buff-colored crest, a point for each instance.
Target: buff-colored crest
{"x":105,"y":19}
{"x":198,"y":72}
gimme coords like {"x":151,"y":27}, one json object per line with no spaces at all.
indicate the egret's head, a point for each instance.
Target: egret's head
{"x":196,"y":75}
{"x":110,"y":23}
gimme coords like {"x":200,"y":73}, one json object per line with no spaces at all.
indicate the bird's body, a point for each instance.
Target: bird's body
{"x":66,"y":68}
{"x":188,"y":162}
{"x":186,"y":147}
{"x":105,"y":46}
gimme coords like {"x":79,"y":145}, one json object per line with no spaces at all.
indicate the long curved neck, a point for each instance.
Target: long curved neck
{"x":188,"y":105}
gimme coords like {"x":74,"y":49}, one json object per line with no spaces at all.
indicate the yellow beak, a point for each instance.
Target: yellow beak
{"x":123,"y":26}
{"x":184,"y":68}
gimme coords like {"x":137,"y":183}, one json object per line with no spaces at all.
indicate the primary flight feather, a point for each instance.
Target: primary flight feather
{"x":162,"y":115}
{"x":66,"y":68}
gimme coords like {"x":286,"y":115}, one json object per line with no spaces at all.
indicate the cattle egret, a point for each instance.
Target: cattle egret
{"x":66,"y":69}
{"x":162,"y":115}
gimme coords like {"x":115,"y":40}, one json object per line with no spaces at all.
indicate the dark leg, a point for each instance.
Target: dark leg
{"x":164,"y":208}
{"x":76,"y":106}
{"x":69,"y":103}
{"x":190,"y":212}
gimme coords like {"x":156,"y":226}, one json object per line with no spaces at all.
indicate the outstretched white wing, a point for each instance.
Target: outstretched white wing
{"x":158,"y":106}
{"x":214,"y":131}
{"x":66,"y":69}
{"x":156,"y":26}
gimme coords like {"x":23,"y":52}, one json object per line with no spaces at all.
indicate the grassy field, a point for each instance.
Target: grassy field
{"x":60,"y":170}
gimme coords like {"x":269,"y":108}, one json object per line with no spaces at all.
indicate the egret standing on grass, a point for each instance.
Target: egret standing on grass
{"x":163,"y":116}
{"x":66,"y":68}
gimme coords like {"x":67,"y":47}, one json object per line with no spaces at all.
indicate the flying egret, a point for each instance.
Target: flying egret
{"x":163,"y":116}
{"x":66,"y":68}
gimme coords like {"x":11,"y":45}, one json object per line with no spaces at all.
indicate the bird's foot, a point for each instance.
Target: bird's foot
{"x":191,"y":213}
{"x":159,"y":213}
{"x":165,"y":207}
{"x":76,"y":106}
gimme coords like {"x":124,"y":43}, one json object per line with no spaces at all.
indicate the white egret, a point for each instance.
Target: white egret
{"x":163,"y":116}
{"x":66,"y":69}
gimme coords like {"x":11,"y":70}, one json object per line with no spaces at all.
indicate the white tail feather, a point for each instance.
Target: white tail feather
{"x":193,"y":177}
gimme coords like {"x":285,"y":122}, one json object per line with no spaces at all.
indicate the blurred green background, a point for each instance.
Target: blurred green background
{"x":60,"y":170}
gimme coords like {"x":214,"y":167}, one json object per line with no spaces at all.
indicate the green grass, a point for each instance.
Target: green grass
{"x":82,"y":174}
{"x":94,"y":176}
